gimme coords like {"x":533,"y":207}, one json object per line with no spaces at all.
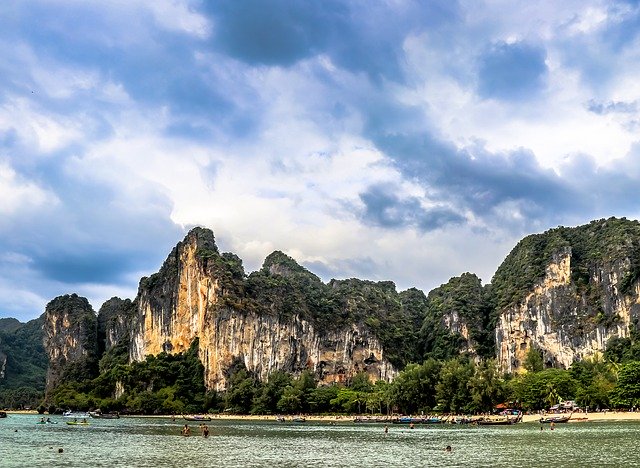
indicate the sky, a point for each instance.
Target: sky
{"x":395,"y":140}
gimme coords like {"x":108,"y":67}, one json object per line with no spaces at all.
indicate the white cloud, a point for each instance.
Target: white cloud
{"x":18,"y":194}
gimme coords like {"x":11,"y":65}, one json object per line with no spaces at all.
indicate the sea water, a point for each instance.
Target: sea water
{"x":153,"y":442}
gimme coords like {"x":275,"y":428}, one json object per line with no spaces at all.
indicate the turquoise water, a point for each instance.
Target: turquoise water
{"x":153,"y":442}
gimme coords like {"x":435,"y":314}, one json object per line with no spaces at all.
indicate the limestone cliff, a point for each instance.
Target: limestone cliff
{"x":263,"y":322}
{"x":589,"y":293}
{"x":70,"y":339}
{"x":456,"y":320}
{"x":114,"y":321}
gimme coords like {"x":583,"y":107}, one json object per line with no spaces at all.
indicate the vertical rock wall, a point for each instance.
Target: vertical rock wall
{"x":114,"y":322}
{"x":567,"y":324}
{"x":70,"y":339}
{"x":186,"y":300}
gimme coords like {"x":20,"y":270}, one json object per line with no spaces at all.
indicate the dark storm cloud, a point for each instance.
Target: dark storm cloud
{"x":494,"y":186}
{"x":89,"y":234}
{"x":385,"y":208}
{"x":360,"y":36}
{"x":154,"y":67}
{"x":512,"y":71}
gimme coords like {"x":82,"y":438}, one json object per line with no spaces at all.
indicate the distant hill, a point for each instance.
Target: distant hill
{"x":23,"y":361}
{"x":9,"y":325}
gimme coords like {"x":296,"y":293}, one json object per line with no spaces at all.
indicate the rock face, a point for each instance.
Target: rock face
{"x":199,"y":293}
{"x":572,"y":311}
{"x":565,"y":292}
{"x":70,"y":339}
{"x":456,"y":320}
{"x":114,"y":322}
{"x":3,"y":364}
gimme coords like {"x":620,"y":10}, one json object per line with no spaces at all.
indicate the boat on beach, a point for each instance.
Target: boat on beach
{"x":196,"y":418}
{"x":372,"y":419}
{"x":101,"y":415}
{"x":506,"y":421}
{"x":76,"y":414}
{"x":465,"y":420}
{"x":555,"y":419}
{"x":411,"y":420}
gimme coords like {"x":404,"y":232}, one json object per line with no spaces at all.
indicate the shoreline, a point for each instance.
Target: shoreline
{"x":527,"y":418}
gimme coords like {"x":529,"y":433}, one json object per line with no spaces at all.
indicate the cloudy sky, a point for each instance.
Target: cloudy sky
{"x":387,"y":140}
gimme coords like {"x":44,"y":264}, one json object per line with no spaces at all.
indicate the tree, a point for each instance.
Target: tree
{"x":627,"y":390}
{"x":414,"y":389}
{"x":452,"y":391}
{"x":266,"y":400}
{"x":347,"y":400}
{"x":295,"y":398}
{"x":486,"y":387}
{"x":533,"y":361}
{"x":539,"y":390}
{"x":239,"y":396}
{"x":321,"y":397}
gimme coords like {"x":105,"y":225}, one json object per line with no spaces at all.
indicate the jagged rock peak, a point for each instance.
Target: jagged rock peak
{"x":279,"y":263}
{"x":114,"y":318}
{"x":70,"y":339}
{"x":202,"y":238}
{"x":71,"y":304}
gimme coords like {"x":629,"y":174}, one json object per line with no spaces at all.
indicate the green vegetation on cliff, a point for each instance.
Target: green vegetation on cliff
{"x":166,"y":383}
{"x":284,"y":288}
{"x":24,"y":380}
{"x":605,"y":242}
{"x":461,"y":303}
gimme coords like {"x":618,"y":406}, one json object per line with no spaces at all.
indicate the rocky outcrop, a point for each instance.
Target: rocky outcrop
{"x":567,"y":320}
{"x":70,"y":339}
{"x":565,"y":292}
{"x":199,"y":293}
{"x":114,"y":322}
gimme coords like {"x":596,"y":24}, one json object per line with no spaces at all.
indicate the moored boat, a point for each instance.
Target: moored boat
{"x":411,"y":420}
{"x":76,"y":414}
{"x":372,"y":419}
{"x":101,"y":415}
{"x":506,"y":421}
{"x":555,"y":419}
{"x":3,"y":414}
{"x":197,"y":418}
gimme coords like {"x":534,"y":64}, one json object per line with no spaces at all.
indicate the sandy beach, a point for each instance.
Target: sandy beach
{"x":576,"y":418}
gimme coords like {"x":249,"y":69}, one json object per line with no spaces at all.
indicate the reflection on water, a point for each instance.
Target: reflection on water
{"x":151,"y":442}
